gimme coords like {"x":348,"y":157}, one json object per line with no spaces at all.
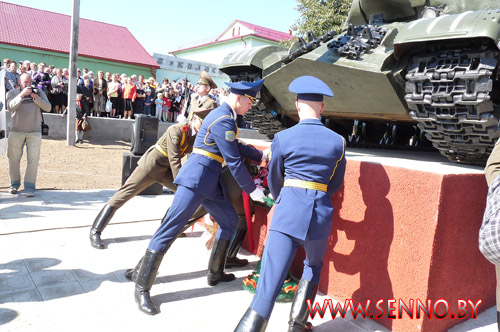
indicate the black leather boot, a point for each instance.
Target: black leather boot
{"x":216,"y":263}
{"x":235,"y":262}
{"x":100,"y":222}
{"x":236,"y":241}
{"x":306,"y":290}
{"x":145,"y":279}
{"x":131,"y":274}
{"x":498,"y":320}
{"x":251,"y":322}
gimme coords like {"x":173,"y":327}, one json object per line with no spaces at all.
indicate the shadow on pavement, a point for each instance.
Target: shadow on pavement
{"x":232,"y":286}
{"x":34,"y":280}
{"x":7,"y":315}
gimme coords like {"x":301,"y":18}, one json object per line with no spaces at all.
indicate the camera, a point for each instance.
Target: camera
{"x":34,"y":89}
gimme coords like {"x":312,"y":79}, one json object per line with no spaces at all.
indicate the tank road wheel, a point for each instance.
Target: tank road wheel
{"x":417,"y":139}
{"x":373,"y":132}
{"x":448,"y":94}
{"x":342,"y":127}
{"x":401,"y":135}
{"x":366,"y":134}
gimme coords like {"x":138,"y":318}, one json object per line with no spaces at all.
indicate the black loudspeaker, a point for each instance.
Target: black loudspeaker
{"x":129,"y":164}
{"x":144,"y":133}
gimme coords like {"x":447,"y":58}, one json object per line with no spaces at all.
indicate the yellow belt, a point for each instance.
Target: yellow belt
{"x":159,"y":148}
{"x":208,"y":154}
{"x":305,"y":184}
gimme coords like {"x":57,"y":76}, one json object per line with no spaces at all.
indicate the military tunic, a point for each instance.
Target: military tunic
{"x":161,"y":163}
{"x":201,"y":103}
{"x":200,"y":182}
{"x":303,"y":175}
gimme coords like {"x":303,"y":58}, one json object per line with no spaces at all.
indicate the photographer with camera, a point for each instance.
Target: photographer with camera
{"x":25,"y":104}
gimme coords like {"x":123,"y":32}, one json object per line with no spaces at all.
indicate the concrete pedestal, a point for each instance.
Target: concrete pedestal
{"x":405,"y":227}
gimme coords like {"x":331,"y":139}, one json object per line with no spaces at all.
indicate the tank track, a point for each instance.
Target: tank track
{"x":448,"y":94}
{"x":264,"y":121}
{"x":358,"y":40}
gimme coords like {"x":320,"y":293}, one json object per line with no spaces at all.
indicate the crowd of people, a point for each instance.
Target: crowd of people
{"x":107,"y":94}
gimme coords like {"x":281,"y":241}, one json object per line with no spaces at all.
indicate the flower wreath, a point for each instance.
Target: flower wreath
{"x":289,"y":287}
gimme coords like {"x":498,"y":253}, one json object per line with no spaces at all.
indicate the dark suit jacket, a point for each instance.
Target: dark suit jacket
{"x":103,"y":87}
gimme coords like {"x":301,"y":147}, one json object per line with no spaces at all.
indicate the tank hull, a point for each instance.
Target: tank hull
{"x":362,"y":90}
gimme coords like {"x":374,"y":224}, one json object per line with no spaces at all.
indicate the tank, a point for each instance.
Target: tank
{"x":405,"y":73}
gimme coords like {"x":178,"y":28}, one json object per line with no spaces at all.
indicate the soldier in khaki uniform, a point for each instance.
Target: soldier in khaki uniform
{"x":161,"y":163}
{"x":202,"y":100}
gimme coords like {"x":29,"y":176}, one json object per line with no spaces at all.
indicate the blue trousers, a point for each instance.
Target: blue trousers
{"x":278,"y":255}
{"x":185,"y":203}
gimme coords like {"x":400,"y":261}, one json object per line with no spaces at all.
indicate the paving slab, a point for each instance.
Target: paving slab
{"x":51,"y":279}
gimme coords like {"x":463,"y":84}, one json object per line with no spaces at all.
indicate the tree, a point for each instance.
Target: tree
{"x":321,"y":16}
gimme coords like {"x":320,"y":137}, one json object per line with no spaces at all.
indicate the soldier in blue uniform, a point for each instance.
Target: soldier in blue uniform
{"x":303,"y":175}
{"x":199,"y":182}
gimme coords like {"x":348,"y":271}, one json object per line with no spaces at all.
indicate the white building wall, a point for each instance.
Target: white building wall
{"x":237,"y":29}
{"x":260,"y":42}
{"x":175,"y":68}
{"x":215,"y":53}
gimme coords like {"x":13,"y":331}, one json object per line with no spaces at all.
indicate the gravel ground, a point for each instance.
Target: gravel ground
{"x":91,"y":165}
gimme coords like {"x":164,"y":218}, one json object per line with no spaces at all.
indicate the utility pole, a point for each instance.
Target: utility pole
{"x":73,"y":65}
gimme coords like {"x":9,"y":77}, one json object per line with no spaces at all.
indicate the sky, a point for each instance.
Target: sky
{"x":163,"y":26}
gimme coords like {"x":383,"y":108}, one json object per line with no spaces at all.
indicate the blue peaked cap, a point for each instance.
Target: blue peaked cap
{"x":310,"y":88}
{"x":246,"y":88}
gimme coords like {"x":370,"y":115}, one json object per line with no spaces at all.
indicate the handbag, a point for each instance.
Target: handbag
{"x":45,"y":127}
{"x":109,"y":106}
{"x":86,"y":125}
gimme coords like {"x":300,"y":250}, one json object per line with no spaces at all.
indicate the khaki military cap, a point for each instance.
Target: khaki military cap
{"x":205,"y":79}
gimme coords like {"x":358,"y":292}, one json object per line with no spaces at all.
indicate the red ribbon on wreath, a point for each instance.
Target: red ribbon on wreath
{"x":248,"y":217}
{"x":262,"y":175}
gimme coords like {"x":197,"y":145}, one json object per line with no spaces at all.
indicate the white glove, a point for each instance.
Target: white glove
{"x":266,"y":154}
{"x":257,"y":195}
